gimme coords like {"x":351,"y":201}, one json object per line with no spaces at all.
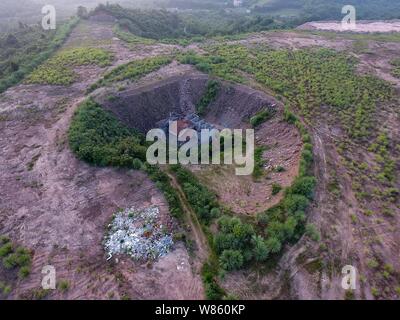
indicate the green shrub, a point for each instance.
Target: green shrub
{"x":313,"y":233}
{"x":132,"y":70}
{"x":99,"y":138}
{"x":59,"y":69}
{"x":24,"y":272}
{"x":6,"y":249}
{"x":208,"y":97}
{"x":276,"y":188}
{"x":63,"y":285}
{"x":231,"y":260}
{"x":304,"y":186}
{"x":260,"y":118}
{"x":261,"y":250}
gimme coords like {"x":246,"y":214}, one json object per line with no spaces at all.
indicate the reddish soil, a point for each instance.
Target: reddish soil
{"x":59,"y":207}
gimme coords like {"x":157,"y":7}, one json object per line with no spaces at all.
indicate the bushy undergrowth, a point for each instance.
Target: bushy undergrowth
{"x":213,"y":87}
{"x":202,"y":200}
{"x":59,"y":69}
{"x":260,"y":118}
{"x":308,"y":78}
{"x":396,"y":69}
{"x":14,"y":257}
{"x":133,"y":70}
{"x":22,"y":51}
{"x":99,"y":138}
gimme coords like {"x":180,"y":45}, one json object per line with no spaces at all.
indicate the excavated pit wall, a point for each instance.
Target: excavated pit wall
{"x":143,"y":107}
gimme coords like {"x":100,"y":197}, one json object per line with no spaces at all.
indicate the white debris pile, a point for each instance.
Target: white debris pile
{"x":138,"y":234}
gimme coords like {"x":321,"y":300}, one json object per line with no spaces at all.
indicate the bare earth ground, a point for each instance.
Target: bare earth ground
{"x":249,"y":196}
{"x":360,"y":27}
{"x":59,"y":207}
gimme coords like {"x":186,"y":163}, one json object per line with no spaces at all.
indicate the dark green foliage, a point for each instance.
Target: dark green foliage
{"x":154,"y":24}
{"x":260,"y":250}
{"x":304,"y":186}
{"x":5,"y":249}
{"x":231,"y":260}
{"x":209,"y":96}
{"x":100,"y":139}
{"x":259,"y":162}
{"x":234,"y":242}
{"x":260,"y":118}
{"x":213,"y":291}
{"x":396,"y":69}
{"x":276,"y":188}
{"x":23,"y":50}
{"x":200,"y":198}
{"x":163,"y":183}
{"x":15,"y":257}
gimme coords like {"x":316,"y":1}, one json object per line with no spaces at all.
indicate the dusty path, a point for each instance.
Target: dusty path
{"x":202,"y":247}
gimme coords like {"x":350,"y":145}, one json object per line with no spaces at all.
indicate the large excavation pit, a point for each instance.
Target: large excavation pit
{"x":145,"y":107}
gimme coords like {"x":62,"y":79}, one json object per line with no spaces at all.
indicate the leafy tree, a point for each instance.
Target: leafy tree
{"x":260,"y":250}
{"x":231,"y":260}
{"x":273,"y":244}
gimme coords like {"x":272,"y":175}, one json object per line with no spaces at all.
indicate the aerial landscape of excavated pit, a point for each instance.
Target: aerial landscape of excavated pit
{"x":144,"y":107}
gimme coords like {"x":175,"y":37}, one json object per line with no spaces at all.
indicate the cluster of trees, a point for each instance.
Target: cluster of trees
{"x":163,"y":25}
{"x":202,"y":200}
{"x":26,"y":48}
{"x":99,"y":138}
{"x":154,"y":24}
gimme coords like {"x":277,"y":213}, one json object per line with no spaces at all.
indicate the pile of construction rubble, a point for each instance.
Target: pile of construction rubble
{"x":138,"y":234}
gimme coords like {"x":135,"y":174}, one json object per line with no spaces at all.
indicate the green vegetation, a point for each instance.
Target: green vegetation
{"x":259,"y":162}
{"x":202,"y":200}
{"x":308,"y":79}
{"x":163,"y":183}
{"x":133,"y":70}
{"x":312,"y":232}
{"x":387,"y":166}
{"x":23,"y":50}
{"x":208,"y":97}
{"x":59,"y":69}
{"x":63,"y":285}
{"x":14,"y":257}
{"x":260,"y":118}
{"x":100,"y":139}
{"x":185,"y":27}
{"x":276,"y":188}
{"x":5,"y":289}
{"x":396,"y":69}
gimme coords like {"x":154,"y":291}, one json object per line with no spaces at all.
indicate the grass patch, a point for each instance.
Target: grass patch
{"x":23,"y":50}
{"x":133,"y":70}
{"x":59,"y":69}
